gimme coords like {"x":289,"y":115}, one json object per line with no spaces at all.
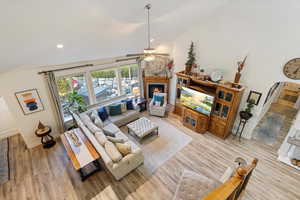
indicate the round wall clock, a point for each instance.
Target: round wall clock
{"x":292,"y":69}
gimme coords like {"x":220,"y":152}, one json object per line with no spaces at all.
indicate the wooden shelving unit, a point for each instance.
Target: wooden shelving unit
{"x":227,"y":101}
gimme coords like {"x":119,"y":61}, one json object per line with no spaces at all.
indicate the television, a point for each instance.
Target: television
{"x":197,"y":101}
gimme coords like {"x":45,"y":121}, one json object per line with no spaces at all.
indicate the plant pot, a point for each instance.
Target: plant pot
{"x":245,"y":115}
{"x":188,"y":69}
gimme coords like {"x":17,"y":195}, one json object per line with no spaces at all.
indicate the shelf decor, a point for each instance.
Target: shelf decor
{"x":29,"y":101}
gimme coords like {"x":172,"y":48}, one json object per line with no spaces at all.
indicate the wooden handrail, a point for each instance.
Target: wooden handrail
{"x":234,"y":187}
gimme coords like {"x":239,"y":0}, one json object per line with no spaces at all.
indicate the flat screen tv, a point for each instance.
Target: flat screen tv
{"x":197,"y":101}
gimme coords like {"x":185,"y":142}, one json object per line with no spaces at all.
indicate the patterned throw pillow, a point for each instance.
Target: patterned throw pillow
{"x":124,"y":149}
{"x":123,"y":107}
{"x":115,"y":109}
{"x":129,"y":104}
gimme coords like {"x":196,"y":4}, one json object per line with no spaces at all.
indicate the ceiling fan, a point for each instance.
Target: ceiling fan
{"x":149,"y":53}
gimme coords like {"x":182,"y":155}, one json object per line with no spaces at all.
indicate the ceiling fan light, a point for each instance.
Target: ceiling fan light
{"x":149,"y":51}
{"x":149,"y":58}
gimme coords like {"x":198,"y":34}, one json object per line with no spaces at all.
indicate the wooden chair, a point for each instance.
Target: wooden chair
{"x":234,"y":188}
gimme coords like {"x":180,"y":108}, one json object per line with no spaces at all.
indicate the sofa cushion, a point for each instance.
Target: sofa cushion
{"x":112,"y":151}
{"x":93,"y":128}
{"x":101,"y":138}
{"x":129,"y":104}
{"x":115,"y":109}
{"x":116,"y":139}
{"x":102,"y":112}
{"x":85,"y":118}
{"x":124,"y":149}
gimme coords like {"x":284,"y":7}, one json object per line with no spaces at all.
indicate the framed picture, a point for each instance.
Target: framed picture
{"x":29,"y":101}
{"x":255,"y":96}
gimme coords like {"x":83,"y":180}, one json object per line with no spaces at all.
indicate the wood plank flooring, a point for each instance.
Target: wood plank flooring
{"x":48,"y":174}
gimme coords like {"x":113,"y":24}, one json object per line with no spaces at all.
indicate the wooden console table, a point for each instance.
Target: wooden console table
{"x":74,"y":153}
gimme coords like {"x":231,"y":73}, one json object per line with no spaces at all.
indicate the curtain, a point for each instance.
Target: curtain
{"x":50,"y":78}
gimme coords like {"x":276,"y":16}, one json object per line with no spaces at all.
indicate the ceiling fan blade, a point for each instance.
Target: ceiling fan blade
{"x":160,"y":54}
{"x":137,"y":54}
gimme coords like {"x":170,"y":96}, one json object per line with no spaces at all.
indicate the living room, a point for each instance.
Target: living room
{"x":117,"y":75}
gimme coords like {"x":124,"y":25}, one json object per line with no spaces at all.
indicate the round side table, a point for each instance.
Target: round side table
{"x":46,"y":139}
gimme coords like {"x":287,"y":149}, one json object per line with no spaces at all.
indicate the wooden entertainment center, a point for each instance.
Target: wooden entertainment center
{"x":223,"y":114}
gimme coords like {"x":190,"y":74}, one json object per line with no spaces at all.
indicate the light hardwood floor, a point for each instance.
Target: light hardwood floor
{"x":48,"y":174}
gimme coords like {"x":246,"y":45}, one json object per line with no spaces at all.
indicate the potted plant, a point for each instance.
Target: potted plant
{"x":191,"y":62}
{"x":76,"y":102}
{"x":246,"y":114}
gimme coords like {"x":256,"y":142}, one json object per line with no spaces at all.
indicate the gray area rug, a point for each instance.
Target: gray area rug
{"x":268,"y":129}
{"x":194,"y":186}
{"x":158,"y":149}
{"x":4,"y":161}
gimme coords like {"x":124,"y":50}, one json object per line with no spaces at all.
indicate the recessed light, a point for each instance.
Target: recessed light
{"x":59,"y":46}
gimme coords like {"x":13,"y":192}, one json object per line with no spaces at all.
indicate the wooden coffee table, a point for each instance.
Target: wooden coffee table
{"x":83,"y":155}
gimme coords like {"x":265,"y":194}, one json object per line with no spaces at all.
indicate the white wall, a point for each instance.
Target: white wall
{"x":7,"y":122}
{"x":20,"y":80}
{"x":267,"y":31}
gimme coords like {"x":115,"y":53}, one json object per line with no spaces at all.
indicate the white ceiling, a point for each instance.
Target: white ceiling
{"x":89,"y":29}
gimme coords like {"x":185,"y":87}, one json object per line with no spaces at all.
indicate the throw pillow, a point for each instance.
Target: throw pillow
{"x":115,"y":139}
{"x":103,"y":114}
{"x":124,"y":149}
{"x":159,"y":98}
{"x":101,"y":138}
{"x":123,"y":107}
{"x":115,"y":109}
{"x":96,"y":119}
{"x":108,"y":132}
{"x":129,"y":104}
{"x":112,"y":152}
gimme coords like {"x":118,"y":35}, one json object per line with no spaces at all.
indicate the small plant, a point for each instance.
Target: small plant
{"x":76,"y":102}
{"x":250,"y":105}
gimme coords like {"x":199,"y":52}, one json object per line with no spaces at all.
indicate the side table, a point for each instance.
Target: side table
{"x":46,"y":139}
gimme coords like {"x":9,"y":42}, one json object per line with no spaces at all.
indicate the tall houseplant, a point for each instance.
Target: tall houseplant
{"x":76,"y":102}
{"x":191,"y":62}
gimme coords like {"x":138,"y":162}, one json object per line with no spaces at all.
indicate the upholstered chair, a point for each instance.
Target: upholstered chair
{"x":156,"y":108}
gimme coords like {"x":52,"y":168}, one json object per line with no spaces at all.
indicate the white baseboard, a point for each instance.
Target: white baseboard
{"x":8,"y":133}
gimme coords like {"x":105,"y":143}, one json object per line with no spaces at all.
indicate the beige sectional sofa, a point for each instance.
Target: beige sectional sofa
{"x":128,"y":162}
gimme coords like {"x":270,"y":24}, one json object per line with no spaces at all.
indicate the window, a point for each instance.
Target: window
{"x":130,"y":80}
{"x":98,"y":85}
{"x":105,"y":84}
{"x":66,"y":85}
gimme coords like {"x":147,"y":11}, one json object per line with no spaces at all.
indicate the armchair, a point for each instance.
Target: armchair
{"x":158,"y":110}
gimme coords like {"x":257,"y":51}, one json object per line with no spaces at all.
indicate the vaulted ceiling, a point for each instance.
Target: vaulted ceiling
{"x":90,"y":29}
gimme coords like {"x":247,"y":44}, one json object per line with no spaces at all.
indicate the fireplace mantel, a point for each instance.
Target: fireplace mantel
{"x":155,"y":79}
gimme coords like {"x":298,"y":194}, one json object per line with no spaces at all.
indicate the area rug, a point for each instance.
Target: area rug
{"x":158,"y":149}
{"x":193,"y":186}
{"x":269,"y":129}
{"x":4,"y":161}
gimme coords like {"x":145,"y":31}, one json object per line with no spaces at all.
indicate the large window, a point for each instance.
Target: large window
{"x":98,"y":85}
{"x":105,"y":84}
{"x":130,"y":80}
{"x":66,"y":86}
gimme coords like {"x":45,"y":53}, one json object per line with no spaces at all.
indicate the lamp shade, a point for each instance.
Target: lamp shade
{"x":136,"y":90}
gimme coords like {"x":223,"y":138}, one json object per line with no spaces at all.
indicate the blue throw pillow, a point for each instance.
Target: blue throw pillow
{"x":103,"y":114}
{"x":159,"y":99}
{"x":129,"y":104}
{"x":115,"y":109}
